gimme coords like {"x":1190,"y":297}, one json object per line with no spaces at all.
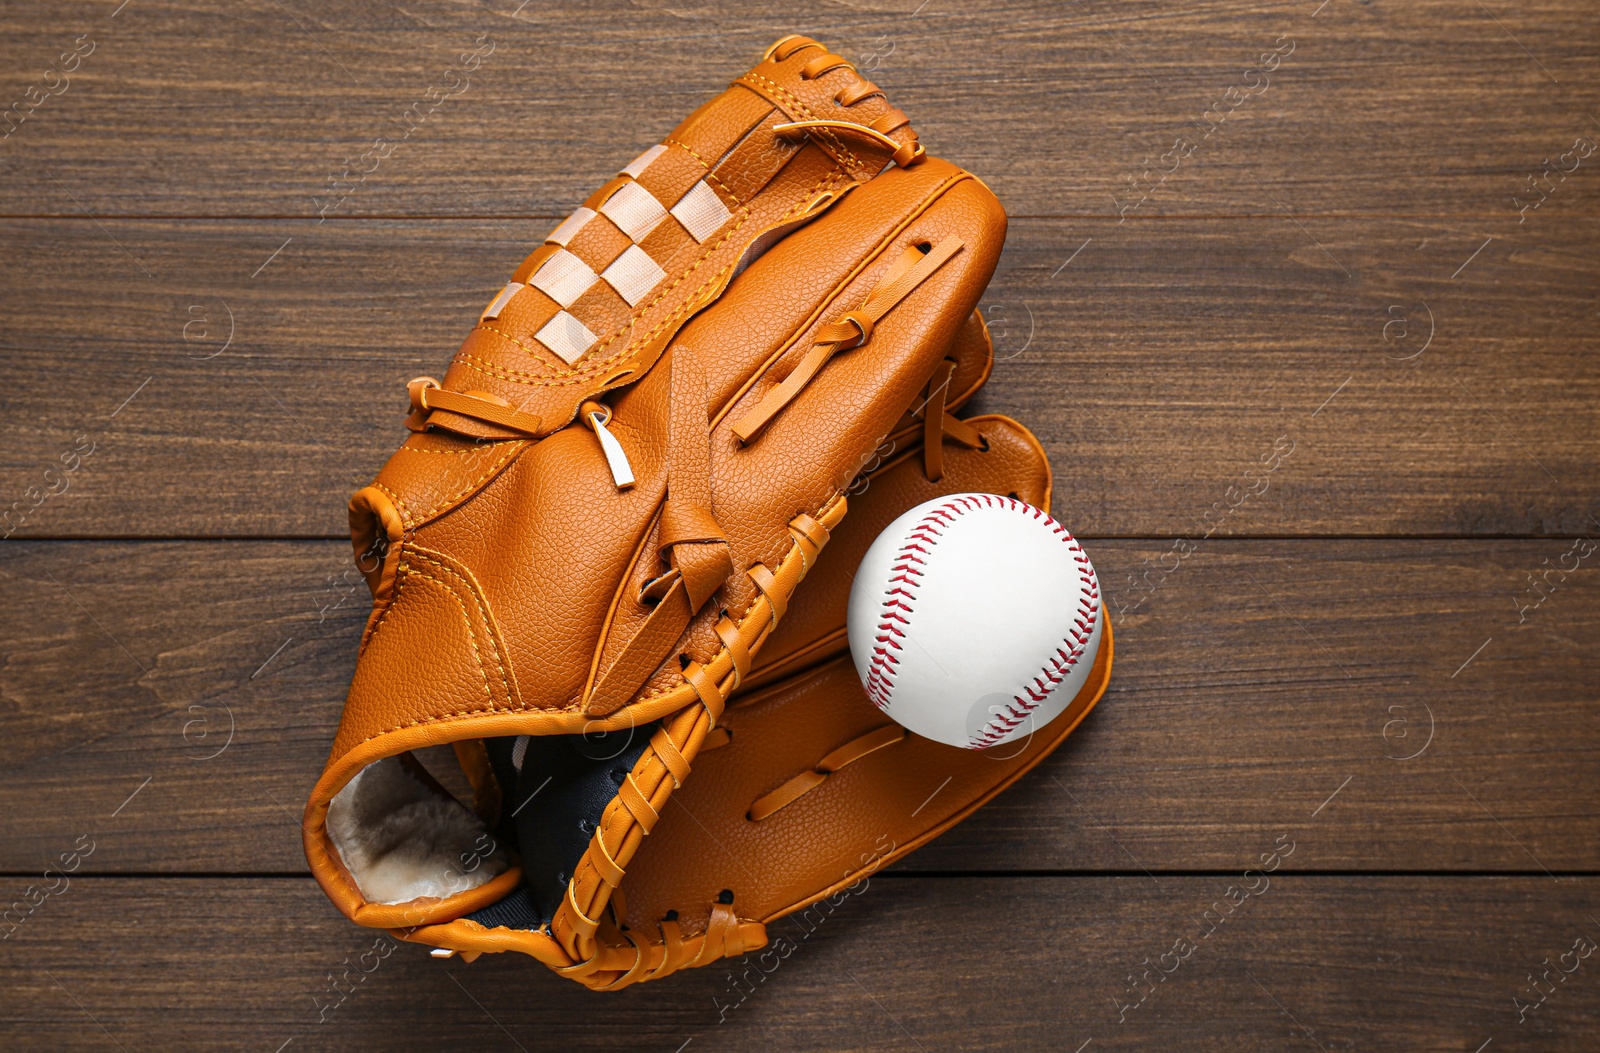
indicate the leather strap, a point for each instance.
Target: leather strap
{"x":724,"y":937}
{"x":820,"y":64}
{"x":963,"y":433}
{"x":672,"y":758}
{"x":806,"y":781}
{"x":607,"y":866}
{"x":903,"y":154}
{"x":852,"y":95}
{"x":691,"y":539}
{"x":675,"y":953}
{"x":634,"y":800}
{"x":938,"y":424}
{"x":933,"y":415}
{"x":852,"y":330}
{"x":705,"y":685}
{"x":777,"y":602}
{"x":782,"y":48}
{"x":427,"y":396}
{"x":809,"y":534}
{"x":581,"y":925}
{"x":728,"y":633}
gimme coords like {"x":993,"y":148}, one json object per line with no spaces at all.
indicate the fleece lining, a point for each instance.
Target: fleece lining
{"x":401,"y":840}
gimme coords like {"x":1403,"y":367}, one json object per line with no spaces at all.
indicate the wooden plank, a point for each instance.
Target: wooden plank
{"x":1157,"y":362}
{"x":1384,"y":691}
{"x":1416,"y":963}
{"x":1335,"y":280}
{"x":194,"y":111}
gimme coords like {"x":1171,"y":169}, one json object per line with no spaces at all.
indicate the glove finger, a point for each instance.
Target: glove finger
{"x":831,"y":829}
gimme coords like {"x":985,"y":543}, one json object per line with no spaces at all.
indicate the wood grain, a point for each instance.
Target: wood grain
{"x":1384,"y":687}
{"x":1417,"y":963}
{"x":1157,"y":366}
{"x":1380,"y":651}
{"x":184,"y":110}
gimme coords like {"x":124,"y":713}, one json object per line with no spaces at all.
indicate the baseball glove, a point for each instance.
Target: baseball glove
{"x":805,"y":789}
{"x":606,"y":507}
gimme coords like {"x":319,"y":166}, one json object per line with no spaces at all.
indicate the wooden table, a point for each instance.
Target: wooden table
{"x":1376,"y":255}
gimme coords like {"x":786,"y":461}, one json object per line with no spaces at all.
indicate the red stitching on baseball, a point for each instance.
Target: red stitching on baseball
{"x":1065,"y":658}
{"x":907,"y":578}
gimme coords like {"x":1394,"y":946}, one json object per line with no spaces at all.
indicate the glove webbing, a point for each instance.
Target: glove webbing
{"x":634,"y":812}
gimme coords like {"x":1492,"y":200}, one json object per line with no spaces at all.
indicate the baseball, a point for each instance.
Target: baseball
{"x":974,"y":620}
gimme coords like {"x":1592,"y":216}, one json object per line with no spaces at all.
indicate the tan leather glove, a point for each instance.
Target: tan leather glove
{"x":606,"y":507}
{"x":805,"y":788}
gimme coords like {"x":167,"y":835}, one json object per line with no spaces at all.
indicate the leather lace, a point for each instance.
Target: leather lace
{"x":938,"y":423}
{"x":903,"y":154}
{"x":802,"y":784}
{"x":427,"y":396}
{"x":852,"y":329}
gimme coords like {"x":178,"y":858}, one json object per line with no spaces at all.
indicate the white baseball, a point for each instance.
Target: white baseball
{"x":974,"y":620}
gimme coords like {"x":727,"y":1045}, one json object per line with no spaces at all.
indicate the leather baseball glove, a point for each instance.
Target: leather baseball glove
{"x":601,"y":519}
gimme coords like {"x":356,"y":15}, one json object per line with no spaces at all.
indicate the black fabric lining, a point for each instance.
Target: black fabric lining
{"x":516,"y":911}
{"x":550,"y":813}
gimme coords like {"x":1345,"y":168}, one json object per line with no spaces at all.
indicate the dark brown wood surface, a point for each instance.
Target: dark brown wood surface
{"x":1388,"y":657}
{"x":1257,"y":680}
{"x":1156,"y":367}
{"x":1344,"y":963}
{"x":245,"y":110}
